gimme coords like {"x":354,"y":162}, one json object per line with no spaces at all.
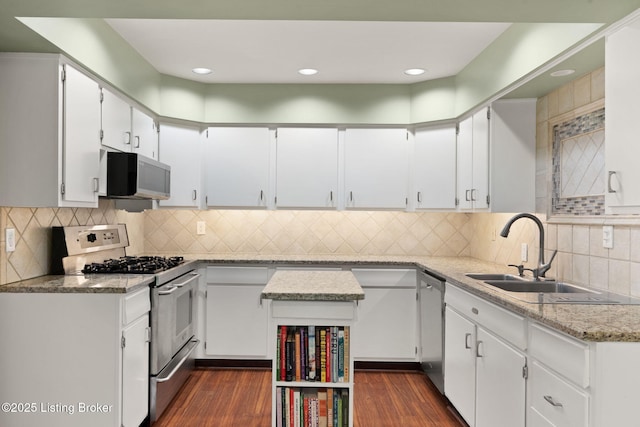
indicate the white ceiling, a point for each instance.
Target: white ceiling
{"x":256,"y":51}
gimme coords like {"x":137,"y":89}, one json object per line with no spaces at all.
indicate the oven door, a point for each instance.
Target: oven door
{"x":173,"y":319}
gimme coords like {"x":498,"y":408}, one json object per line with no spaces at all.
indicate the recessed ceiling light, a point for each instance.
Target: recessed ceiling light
{"x":203,"y":71}
{"x":414,"y":71}
{"x":561,"y":73}
{"x":308,"y":71}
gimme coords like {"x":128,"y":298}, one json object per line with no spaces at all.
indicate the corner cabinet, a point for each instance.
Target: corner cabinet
{"x":50,"y":125}
{"x":496,"y":151}
{"x":236,"y":164}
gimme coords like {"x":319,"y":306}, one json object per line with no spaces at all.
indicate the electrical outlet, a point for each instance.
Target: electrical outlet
{"x":524,"y":252}
{"x":201,"y":228}
{"x":607,"y":236}
{"x":10,"y":239}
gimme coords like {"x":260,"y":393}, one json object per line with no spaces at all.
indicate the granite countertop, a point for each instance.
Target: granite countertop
{"x":90,"y":283}
{"x":296,"y":285}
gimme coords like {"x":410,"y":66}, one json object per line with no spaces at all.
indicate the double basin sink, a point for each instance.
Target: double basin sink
{"x":548,"y":291}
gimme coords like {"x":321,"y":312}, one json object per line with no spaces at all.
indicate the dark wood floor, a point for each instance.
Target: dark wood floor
{"x":242,"y":398}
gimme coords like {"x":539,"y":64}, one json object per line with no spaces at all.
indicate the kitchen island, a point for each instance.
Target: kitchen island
{"x":309,"y":307}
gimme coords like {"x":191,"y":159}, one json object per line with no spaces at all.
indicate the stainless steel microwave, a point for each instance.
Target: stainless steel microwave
{"x":132,"y":176}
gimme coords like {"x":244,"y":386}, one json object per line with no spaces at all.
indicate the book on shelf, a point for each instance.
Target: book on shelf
{"x":311,"y":345}
{"x":282,"y":353}
{"x":347,"y":354}
{"x":312,"y":407}
{"x":289,"y":357}
{"x":341,"y":359}
{"x":330,"y":407}
{"x":296,"y":356}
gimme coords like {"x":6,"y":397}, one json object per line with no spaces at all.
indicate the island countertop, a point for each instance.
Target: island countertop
{"x":313,"y":286}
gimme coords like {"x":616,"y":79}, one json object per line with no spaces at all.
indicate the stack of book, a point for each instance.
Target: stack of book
{"x":311,"y":407}
{"x":313,"y":353}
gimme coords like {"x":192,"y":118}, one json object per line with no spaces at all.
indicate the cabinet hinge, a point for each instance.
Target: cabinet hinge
{"x":488,"y":199}
{"x":276,"y":133}
{"x":457,"y":201}
{"x":488,"y":113}
{"x":63,"y":74}
{"x":205,"y":296}
{"x":406,"y":201}
{"x":62,"y":188}
{"x":101,"y":135}
{"x":205,"y":345}
{"x":416,"y":352}
{"x":407,"y":135}
{"x":101,"y":96}
{"x":123,"y":342}
{"x":525,"y":372}
{"x":457,"y":129}
{"x":206,"y":133}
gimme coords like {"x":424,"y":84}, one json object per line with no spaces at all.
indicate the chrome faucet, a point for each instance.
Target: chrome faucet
{"x":543,"y":267}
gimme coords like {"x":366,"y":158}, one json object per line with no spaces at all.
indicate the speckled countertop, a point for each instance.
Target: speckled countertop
{"x":90,"y":283}
{"x":313,"y":286}
{"x":616,"y":322}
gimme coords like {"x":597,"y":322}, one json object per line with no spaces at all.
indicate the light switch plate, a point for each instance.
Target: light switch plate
{"x":607,"y":236}
{"x":10,"y":239}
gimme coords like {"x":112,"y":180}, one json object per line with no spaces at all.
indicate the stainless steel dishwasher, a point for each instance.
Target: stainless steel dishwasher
{"x":432,"y":327}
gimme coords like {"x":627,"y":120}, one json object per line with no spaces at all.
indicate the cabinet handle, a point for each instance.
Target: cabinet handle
{"x":351,"y":196}
{"x":466,"y":195}
{"x":478,"y":354}
{"x":609,"y":188}
{"x":137,"y":144}
{"x":331,"y":196}
{"x":419,"y":197}
{"x":194,"y":195}
{"x":96,"y":185}
{"x":261,"y":195}
{"x":473,"y":192}
{"x":552,"y":401}
{"x":127,"y":138}
{"x":467,"y":344}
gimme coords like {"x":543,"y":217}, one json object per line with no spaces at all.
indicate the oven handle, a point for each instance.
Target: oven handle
{"x":193,"y":276}
{"x":193,"y":344}
{"x":175,"y":288}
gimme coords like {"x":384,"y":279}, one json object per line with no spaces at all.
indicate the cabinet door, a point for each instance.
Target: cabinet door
{"x":465,"y":163}
{"x":621,"y":106}
{"x":501,"y":386}
{"x":459,"y":364}
{"x":135,"y":372}
{"x":237,"y":167}
{"x":145,"y":134}
{"x":307,"y":167}
{"x":435,"y":168}
{"x":81,"y":133}
{"x":386,"y":326}
{"x":237,"y":321}
{"x":376,"y":164}
{"x":116,"y":122}
{"x":480,"y":169}
{"x":180,"y":149}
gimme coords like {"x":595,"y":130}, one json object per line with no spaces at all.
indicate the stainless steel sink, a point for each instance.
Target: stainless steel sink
{"x":538,"y":286}
{"x":494,"y":276}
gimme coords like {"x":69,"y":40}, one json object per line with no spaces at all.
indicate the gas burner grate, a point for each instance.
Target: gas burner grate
{"x":133,"y":265}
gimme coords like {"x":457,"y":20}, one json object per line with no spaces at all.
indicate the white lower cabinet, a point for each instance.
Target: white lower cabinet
{"x":484,"y":372}
{"x":84,"y":362}
{"x":386,"y":323}
{"x":236,"y":317}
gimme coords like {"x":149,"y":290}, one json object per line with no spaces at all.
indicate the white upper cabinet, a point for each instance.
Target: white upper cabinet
{"x":144,"y":134}
{"x":513,"y":156}
{"x":50,"y":155}
{"x":306,"y":167}
{"x":622,"y":61}
{"x":116,"y":121}
{"x":496,"y":158}
{"x":434,"y":168}
{"x":473,"y":161}
{"x":180,"y":148}
{"x":237,"y":166}
{"x":376,"y":168}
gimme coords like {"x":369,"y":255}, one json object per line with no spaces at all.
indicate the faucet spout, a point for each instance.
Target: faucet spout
{"x":543,"y":267}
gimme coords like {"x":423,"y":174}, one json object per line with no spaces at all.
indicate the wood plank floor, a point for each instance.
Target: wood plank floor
{"x":242,"y":398}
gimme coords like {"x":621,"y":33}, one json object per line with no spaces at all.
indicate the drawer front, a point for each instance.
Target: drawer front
{"x":569,"y":357}
{"x":238,"y":275}
{"x":386,"y":277}
{"x":503,"y":323}
{"x":326,"y":310}
{"x":556,"y":400}
{"x":136,"y":305}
